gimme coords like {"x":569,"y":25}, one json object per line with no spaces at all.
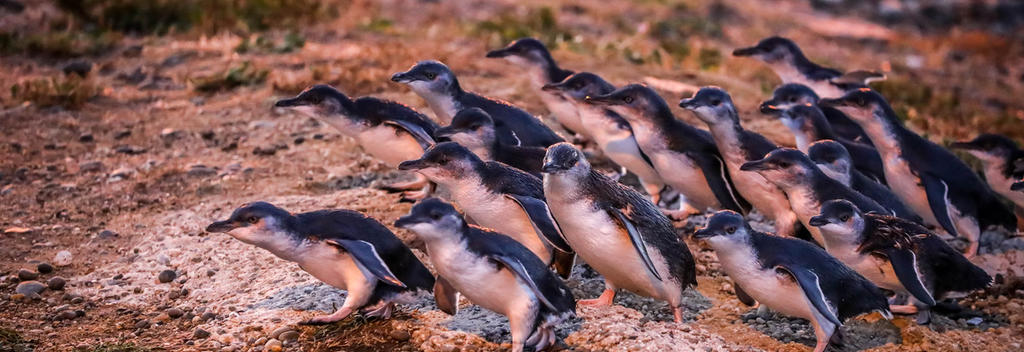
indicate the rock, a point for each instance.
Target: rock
{"x":78,"y":67}
{"x":30,"y":288}
{"x":162,"y":317}
{"x":174,"y":313}
{"x":169,"y":134}
{"x":105,"y":234}
{"x":200,"y":334}
{"x":63,"y":258}
{"x":142,"y":324}
{"x":266,"y":150}
{"x":122,"y":134}
{"x":90,"y":166}
{"x":291,"y":335}
{"x":273,"y":345}
{"x":276,"y":334}
{"x":208,"y":316}
{"x":200,"y":170}
{"x":167,"y":276}
{"x":56,"y":283}
{"x":86,"y":138}
{"x":400,"y":335}
{"x":66,"y":314}
{"x":129,"y":149}
{"x":44,"y":268}
{"x":975,"y":321}
{"x":26,"y":275}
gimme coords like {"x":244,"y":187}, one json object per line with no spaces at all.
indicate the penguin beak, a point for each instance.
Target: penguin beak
{"x":705,"y":233}
{"x":551,"y":167}
{"x":499,"y":53}
{"x":600,"y":100}
{"x":751,"y":51}
{"x":818,"y":221}
{"x":688,"y":104}
{"x":413,"y":165}
{"x":446,"y":131}
{"x":1017,"y":186}
{"x":756,"y":165}
{"x":221,"y":226}
{"x":407,"y":221}
{"x":552,"y":87}
{"x":831,"y":102}
{"x":768,"y":108}
{"x":284,"y":103}
{"x":402,"y":77}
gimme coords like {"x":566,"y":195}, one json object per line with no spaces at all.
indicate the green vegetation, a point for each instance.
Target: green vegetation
{"x":8,"y":336}
{"x":264,"y":44}
{"x":69,"y":92}
{"x":709,"y":58}
{"x":242,"y":75}
{"x":538,"y":23}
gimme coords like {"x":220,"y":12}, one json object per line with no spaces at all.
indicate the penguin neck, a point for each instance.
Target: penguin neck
{"x":727,"y":132}
{"x":884,"y":132}
{"x":445,"y":104}
{"x":441,"y":245}
{"x":836,"y":174}
{"x":564,"y":186}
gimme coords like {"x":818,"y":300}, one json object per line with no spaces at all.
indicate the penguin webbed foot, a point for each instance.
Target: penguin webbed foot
{"x":601,"y":301}
{"x":677,"y":314}
{"x":337,"y":316}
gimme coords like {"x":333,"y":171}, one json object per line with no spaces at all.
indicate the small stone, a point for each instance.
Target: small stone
{"x":129,"y":149}
{"x":200,"y":334}
{"x":25,"y":275}
{"x":209,"y":316}
{"x":162,"y":317}
{"x":167,"y":276}
{"x":174,"y":313}
{"x":90,"y":166}
{"x":44,"y":268}
{"x":86,"y":138}
{"x":56,"y":283}
{"x":975,"y":321}
{"x":63,"y":258}
{"x":276,"y":334}
{"x":105,"y":234}
{"x":265,"y":150}
{"x":273,"y":345}
{"x":291,"y":335}
{"x":78,"y":67}
{"x":30,"y":288}
{"x":400,"y":335}
{"x":66,"y":314}
{"x":122,"y":134}
{"x":142,"y":324}
{"x":211,"y":272}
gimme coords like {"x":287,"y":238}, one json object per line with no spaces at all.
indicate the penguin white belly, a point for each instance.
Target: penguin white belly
{"x":389,"y":145}
{"x":564,"y":112}
{"x":877,"y":270}
{"x":478,"y":279}
{"x":907,"y":186}
{"x":496,"y":212}
{"x":805,"y":205}
{"x":680,"y":172}
{"x":336,"y":268}
{"x":774,"y":290}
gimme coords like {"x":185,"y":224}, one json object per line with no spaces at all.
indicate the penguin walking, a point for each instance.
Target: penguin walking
{"x":342,"y":248}
{"x":684,"y":156}
{"x":534,"y":57}
{"x":792,"y":66}
{"x":808,"y":125}
{"x":805,"y":185}
{"x":998,"y":155}
{"x":791,"y":276}
{"x":388,"y":131}
{"x":609,"y":130}
{"x":436,"y":83}
{"x":792,"y":94}
{"x":617,"y":231}
{"x":898,"y":255}
{"x":833,"y":159}
{"x":714,"y":106}
{"x":493,"y":271}
{"x":474,"y":129}
{"x":499,"y":197}
{"x":928,"y":178}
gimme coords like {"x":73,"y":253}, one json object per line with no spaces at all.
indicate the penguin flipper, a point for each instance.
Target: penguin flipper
{"x":638,"y":241}
{"x":541,"y":218}
{"x":938,"y":191}
{"x":742,"y":295}
{"x":811,"y":286}
{"x":718,"y":179}
{"x":365,"y":253}
{"x":517,"y":267}
{"x":446,"y":296}
{"x":904,"y":264}
{"x":417,"y":132}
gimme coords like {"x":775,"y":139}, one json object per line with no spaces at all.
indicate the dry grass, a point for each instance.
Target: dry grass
{"x":65,"y":91}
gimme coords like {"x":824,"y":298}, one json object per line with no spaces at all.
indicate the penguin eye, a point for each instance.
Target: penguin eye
{"x":792,"y":99}
{"x":716,"y":102}
{"x":430,"y":75}
{"x":844,"y":217}
{"x":783,"y":164}
{"x":628,"y":99}
{"x":252,"y":220}
{"x":730,"y":230}
{"x":443,"y":160}
{"x":577,"y":86}
{"x":861,"y":101}
{"x":435,"y":216}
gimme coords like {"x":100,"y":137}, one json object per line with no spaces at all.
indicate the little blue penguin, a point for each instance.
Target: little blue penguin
{"x":898,"y":255}
{"x":684,"y":156}
{"x":789,"y":62}
{"x":790,"y":276}
{"x":792,"y":94}
{"x":473,"y":128}
{"x":617,"y":231}
{"x":342,"y":248}
{"x":497,"y":196}
{"x":929,"y":179}
{"x":833,"y":159}
{"x":493,"y":271}
{"x":998,"y":155}
{"x":436,"y":83}
{"x":534,"y":57}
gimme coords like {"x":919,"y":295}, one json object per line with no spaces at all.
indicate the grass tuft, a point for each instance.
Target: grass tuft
{"x":68,"y":92}
{"x":244,"y":74}
{"x":264,"y":44}
{"x":538,"y":23}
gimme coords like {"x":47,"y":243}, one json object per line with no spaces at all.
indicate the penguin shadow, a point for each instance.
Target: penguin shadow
{"x":494,"y":327}
{"x":586,"y":283}
{"x":948,"y":315}
{"x":857,"y":334}
{"x":325,"y":298}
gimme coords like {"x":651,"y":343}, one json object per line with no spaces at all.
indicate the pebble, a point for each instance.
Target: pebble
{"x":63,"y":258}
{"x":86,"y":138}
{"x":200,"y":333}
{"x":291,"y":335}
{"x":26,"y":275}
{"x":66,"y":314}
{"x":90,"y":166}
{"x":30,"y":288}
{"x":209,"y":316}
{"x":276,"y":334}
{"x":44,"y":268}
{"x":167,"y":276}
{"x":174,"y":313}
{"x":273,"y":345}
{"x":400,"y":335}
{"x":107,"y":234}
{"x":56,"y":283}
{"x":142,"y":324}
{"x":122,"y":173}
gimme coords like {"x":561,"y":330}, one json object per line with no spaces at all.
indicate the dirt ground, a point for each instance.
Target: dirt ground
{"x":126,"y":182}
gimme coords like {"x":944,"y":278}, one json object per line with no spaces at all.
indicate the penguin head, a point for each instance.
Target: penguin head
{"x":862,"y":105}
{"x":712,"y":105}
{"x":988,"y":147}
{"x":259,"y":223}
{"x":564,"y":158}
{"x":432,"y":218}
{"x":800,"y":118}
{"x":320,"y":101}
{"x":787,"y":96}
{"x":839,"y":217}
{"x":580,"y":86}
{"x":472,"y":128}
{"x":832,"y":158}
{"x":772,"y":50}
{"x":429,"y":78}
{"x":443,"y":162}
{"x":635,"y":102}
{"x":724,"y":227}
{"x":528,"y":52}
{"x":783,"y":166}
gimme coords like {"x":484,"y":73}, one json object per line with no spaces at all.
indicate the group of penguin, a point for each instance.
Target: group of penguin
{"x":852,"y":205}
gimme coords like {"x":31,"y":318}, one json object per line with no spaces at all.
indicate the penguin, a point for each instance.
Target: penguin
{"x":473,"y":128}
{"x":493,"y":271}
{"x":898,"y":255}
{"x":531,"y":55}
{"x":805,"y":185}
{"x":927,"y":177}
{"x":343,"y":248}
{"x":609,"y":130}
{"x":617,"y":231}
{"x":808,"y":124}
{"x":998,"y":155}
{"x":833,"y":159}
{"x":790,"y":276}
{"x":436,"y":83}
{"x":789,"y":63}
{"x":714,"y":106}
{"x":684,"y":156}
{"x":388,"y":131}
{"x":497,"y":196}
{"x":791,"y":94}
